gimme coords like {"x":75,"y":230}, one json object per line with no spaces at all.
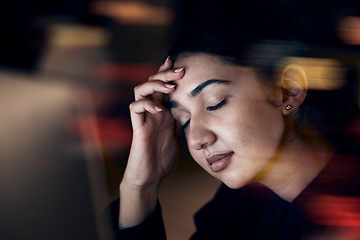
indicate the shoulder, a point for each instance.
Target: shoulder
{"x":239,"y":212}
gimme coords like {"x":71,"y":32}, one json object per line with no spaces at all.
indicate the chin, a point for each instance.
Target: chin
{"x":235,"y":181}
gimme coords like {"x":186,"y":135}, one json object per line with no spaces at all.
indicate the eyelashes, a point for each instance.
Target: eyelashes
{"x":210,"y":108}
{"x":217,"y":106}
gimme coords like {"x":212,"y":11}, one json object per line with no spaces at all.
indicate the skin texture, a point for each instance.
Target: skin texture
{"x":237,"y":127}
{"x":249,"y":123}
{"x":153,"y":148}
{"x":230,"y":120}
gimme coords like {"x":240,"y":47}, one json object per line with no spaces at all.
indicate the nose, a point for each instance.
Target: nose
{"x":199,"y":134}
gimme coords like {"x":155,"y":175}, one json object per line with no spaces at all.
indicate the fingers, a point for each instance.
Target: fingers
{"x":144,"y":105}
{"x":168,"y":75}
{"x":168,"y":64}
{"x":158,"y":85}
{"x":149,"y":88}
{"x":138,"y":110}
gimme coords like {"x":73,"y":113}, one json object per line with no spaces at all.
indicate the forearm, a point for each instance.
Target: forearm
{"x":153,"y":149}
{"x":136,"y":203}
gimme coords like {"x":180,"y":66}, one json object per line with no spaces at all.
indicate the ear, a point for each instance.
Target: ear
{"x":293,"y":83}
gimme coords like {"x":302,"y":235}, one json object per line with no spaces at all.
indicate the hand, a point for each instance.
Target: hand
{"x":153,"y":149}
{"x":154,"y":145}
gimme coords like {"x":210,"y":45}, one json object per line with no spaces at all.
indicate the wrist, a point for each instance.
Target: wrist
{"x":130,"y":186}
{"x":136,"y":203}
{"x":139,"y":184}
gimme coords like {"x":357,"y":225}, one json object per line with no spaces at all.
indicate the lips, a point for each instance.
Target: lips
{"x":219,"y":161}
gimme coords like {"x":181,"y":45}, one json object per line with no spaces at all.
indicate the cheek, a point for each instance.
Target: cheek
{"x":257,"y":126}
{"x":239,"y":125}
{"x":197,"y":156}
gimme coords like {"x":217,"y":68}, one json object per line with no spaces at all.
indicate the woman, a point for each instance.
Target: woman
{"x":248,"y":122}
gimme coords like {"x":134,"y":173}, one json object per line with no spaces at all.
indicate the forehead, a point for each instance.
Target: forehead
{"x":200,"y":68}
{"x":199,"y":63}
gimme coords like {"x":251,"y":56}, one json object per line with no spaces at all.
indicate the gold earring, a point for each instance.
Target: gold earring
{"x":288,"y":107}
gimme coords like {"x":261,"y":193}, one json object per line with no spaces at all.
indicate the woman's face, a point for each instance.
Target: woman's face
{"x":232,"y":129}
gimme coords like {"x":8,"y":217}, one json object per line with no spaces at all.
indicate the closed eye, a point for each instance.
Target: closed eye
{"x":210,"y":108}
{"x":217,"y":106}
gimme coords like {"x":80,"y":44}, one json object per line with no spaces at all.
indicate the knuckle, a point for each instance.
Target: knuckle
{"x":170,"y":75}
{"x":131,"y":105}
{"x":134,"y":105}
{"x":136,"y":88}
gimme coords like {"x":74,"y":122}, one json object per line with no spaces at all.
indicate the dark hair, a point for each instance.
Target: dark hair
{"x":244,"y":39}
{"x":245,"y":36}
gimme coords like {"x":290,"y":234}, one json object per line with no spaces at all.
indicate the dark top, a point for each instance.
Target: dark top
{"x":329,"y":206}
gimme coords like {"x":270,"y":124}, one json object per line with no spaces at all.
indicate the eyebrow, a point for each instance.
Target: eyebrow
{"x":205,"y":84}
{"x":197,"y":90}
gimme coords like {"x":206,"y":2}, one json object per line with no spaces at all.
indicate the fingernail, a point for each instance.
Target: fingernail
{"x":167,"y":59}
{"x":169,"y":85}
{"x":178,"y":70}
{"x":159,"y":109}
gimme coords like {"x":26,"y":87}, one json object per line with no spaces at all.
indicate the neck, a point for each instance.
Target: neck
{"x":298,"y":161}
